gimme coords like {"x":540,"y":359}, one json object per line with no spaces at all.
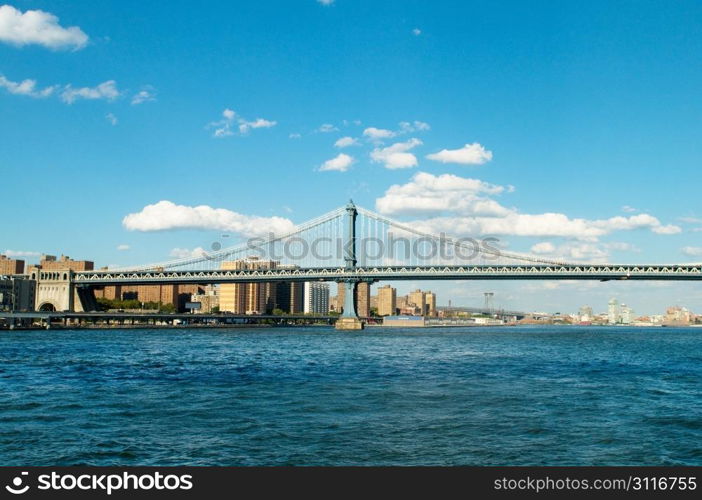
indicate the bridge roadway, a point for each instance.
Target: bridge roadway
{"x":676,"y":272}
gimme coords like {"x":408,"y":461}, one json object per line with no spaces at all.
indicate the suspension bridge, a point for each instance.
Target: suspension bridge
{"x":352,"y":244}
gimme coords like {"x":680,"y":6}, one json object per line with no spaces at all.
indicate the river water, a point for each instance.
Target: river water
{"x":313,"y":396}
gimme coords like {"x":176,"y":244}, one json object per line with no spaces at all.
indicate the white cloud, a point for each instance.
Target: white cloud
{"x":396,"y":156}
{"x":111,"y":118}
{"x":545,"y":247}
{"x":692,"y":251}
{"x":462,"y":206}
{"x":144,"y":95}
{"x":20,"y":253}
{"x":123,"y":248}
{"x":245,"y":126}
{"x":223,"y":127}
{"x":326,"y":128}
{"x":184,"y":253}
{"x":415,"y":126}
{"x":416,"y":32}
{"x":542,"y":225}
{"x":325,"y":2}
{"x":575,"y":251}
{"x":432,"y":195}
{"x":378,"y":133}
{"x":345,"y":142}
{"x":470,"y":154}
{"x":106,"y":90}
{"x":26,"y":87}
{"x":295,"y":135}
{"x":38,"y":27}
{"x":340,"y":163}
{"x":628,"y":209}
{"x":166,"y":215}
{"x":669,"y":229}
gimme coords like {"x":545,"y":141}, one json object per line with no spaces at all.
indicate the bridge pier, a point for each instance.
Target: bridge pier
{"x":349,"y":319}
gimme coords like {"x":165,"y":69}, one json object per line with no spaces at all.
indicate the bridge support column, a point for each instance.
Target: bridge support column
{"x":349,"y":320}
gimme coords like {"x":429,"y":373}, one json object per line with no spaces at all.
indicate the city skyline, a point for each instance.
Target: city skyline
{"x":503,"y":143}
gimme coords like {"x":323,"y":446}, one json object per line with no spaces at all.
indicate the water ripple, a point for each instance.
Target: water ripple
{"x":312,"y":396}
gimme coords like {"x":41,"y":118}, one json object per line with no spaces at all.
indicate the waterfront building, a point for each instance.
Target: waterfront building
{"x":316,"y":297}
{"x":585,"y":315}
{"x":430,"y":303}
{"x":17,"y":293}
{"x":613,"y":315}
{"x":678,"y":315}
{"x":401,"y":302}
{"x":10,"y":266}
{"x":626,"y":315}
{"x":289,"y":297}
{"x":248,"y":298}
{"x":51,"y":263}
{"x":208,"y":299}
{"x":417,"y":299}
{"x":374,"y":302}
{"x":387,"y":301}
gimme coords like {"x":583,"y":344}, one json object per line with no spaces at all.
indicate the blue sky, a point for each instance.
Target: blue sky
{"x":589,"y":110}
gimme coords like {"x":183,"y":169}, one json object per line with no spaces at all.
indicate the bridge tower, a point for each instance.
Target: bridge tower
{"x":56,"y":291}
{"x":349,"y":319}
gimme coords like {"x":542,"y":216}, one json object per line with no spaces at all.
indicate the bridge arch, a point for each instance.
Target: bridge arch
{"x":47,"y":307}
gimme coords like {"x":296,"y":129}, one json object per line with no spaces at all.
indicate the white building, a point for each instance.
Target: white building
{"x":585,"y":315}
{"x":613,"y":315}
{"x":627,"y":315}
{"x":316,"y":298}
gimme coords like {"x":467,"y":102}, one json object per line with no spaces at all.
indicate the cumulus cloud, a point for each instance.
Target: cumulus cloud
{"x":20,"y":253}
{"x":543,"y":248}
{"x":325,"y":2}
{"x":690,"y":220}
{"x":416,"y":32}
{"x":106,"y":90}
{"x":415,"y":126}
{"x":38,"y":27}
{"x":123,"y":247}
{"x":379,"y":134}
{"x":580,"y":251}
{"x":166,"y":215}
{"x":326,"y":128}
{"x":432,"y":195}
{"x":223,"y":127}
{"x":669,"y":229}
{"x":26,"y":87}
{"x":462,"y":206}
{"x":294,"y":135}
{"x":692,"y":251}
{"x":397,"y":155}
{"x":345,"y":142}
{"x":144,"y":95}
{"x":470,"y":154}
{"x":340,"y":163}
{"x":111,"y":118}
{"x":245,"y":126}
{"x":185,"y":253}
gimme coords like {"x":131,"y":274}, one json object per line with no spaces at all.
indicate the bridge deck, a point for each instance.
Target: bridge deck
{"x":478,"y":272}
